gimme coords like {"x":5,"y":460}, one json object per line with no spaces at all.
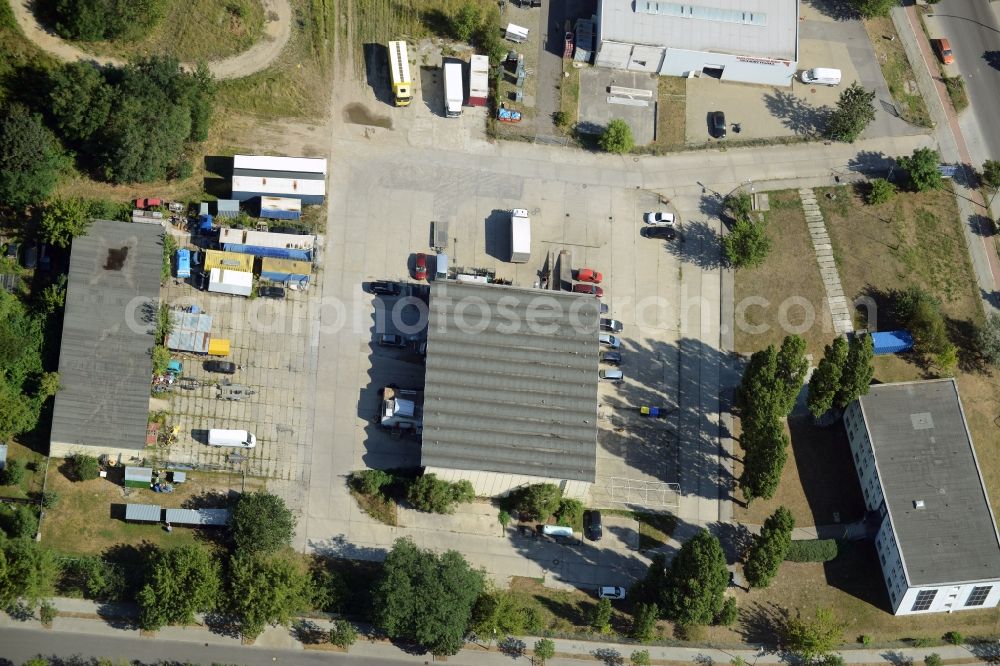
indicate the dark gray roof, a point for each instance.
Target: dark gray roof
{"x":503,"y":393}
{"x":924,"y":453}
{"x":104,"y":363}
{"x":290,"y":175}
{"x":146,"y":512}
{"x":215,"y":517}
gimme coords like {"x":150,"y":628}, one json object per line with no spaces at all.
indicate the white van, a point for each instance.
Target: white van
{"x":557,"y":530}
{"x":821,"y":76}
{"x":240,"y":438}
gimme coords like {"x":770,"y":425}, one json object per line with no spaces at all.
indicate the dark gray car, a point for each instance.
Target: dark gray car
{"x":592,"y":525}
{"x":611,"y":357}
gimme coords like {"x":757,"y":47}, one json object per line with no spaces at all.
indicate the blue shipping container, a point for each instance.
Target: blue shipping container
{"x":183,"y":263}
{"x":275,"y":252}
{"x":205,"y":223}
{"x":892,"y":342}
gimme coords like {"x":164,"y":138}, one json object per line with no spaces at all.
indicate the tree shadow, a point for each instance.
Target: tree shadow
{"x":963,"y":333}
{"x":308,"y":632}
{"x":823,"y":455}
{"x":985,"y":649}
{"x":856,"y":571}
{"x":982,"y":225}
{"x":763,"y":623}
{"x":897,"y":658}
{"x":796,"y":114}
{"x":839,"y":10}
{"x":992,"y":59}
{"x":573,"y":612}
{"x":222,"y":624}
{"x":873,"y":164}
{"x":697,"y":244}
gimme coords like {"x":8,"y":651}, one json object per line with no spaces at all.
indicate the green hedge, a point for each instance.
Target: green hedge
{"x":812,"y":550}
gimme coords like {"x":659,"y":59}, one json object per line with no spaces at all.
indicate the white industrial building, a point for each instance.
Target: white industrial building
{"x":510,"y":397}
{"x":750,"y":41}
{"x":256,"y":176}
{"x":937,"y":541}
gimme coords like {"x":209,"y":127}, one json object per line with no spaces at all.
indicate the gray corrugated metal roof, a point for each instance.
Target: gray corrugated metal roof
{"x":619,"y":21}
{"x":212,"y":517}
{"x":189,"y":331}
{"x":104,"y":364}
{"x":290,"y":175}
{"x":138,"y":473}
{"x":147,"y":512}
{"x":923,"y":452}
{"x":227,"y":208}
{"x":504,"y":393}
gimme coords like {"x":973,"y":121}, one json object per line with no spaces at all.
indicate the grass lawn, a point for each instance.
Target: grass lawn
{"x":790,"y":272}
{"x":34,"y":473}
{"x":897,"y":70}
{"x":192,"y":30}
{"x":569,"y":94}
{"x":670,"y":115}
{"x":654,"y":528}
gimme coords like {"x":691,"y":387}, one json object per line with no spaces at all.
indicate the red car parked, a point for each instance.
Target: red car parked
{"x":589,"y":275}
{"x":587,"y":288}
{"x":420,"y":267}
{"x":148,"y":203}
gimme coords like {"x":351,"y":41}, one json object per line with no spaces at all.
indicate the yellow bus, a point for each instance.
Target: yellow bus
{"x":399,"y":67}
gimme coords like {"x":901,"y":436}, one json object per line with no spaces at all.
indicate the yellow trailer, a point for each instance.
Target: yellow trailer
{"x":399,"y":68}
{"x":218,"y":347}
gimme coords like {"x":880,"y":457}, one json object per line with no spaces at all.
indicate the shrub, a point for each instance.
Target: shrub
{"x":161,"y":359}
{"x":465,"y":21}
{"x":933,"y":659}
{"x":570,"y":512}
{"x":832,"y":660}
{"x":12,"y":473}
{"x":923,"y":642}
{"x":545,"y":649}
{"x":343,"y":634}
{"x":866,"y":639}
{"x":50,"y":499}
{"x":747,"y":244}
{"x":739,"y":205}
{"x":617,"y":137}
{"x":954,"y":638}
{"x":880,"y":191}
{"x":640,"y":658}
{"x":600,"y":615}
{"x":81,"y":467}
{"x":47,"y":612}
{"x":644,"y":622}
{"x":370,"y":481}
{"x":812,"y":550}
{"x":504,"y":518}
{"x":20,"y":522}
{"x":922,"y":168}
{"x":729,"y":613}
{"x":538,"y":501}
{"x":434,"y":495}
{"x":560,"y":119}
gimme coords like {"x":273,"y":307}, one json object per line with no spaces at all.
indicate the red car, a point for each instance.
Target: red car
{"x":147,"y":203}
{"x":420,"y":267}
{"x":589,"y":275}
{"x":586,"y":288}
{"x":943,"y":48}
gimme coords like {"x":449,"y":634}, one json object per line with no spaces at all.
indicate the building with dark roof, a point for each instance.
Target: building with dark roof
{"x":104,"y":360}
{"x":937,"y":542}
{"x":510,"y":397}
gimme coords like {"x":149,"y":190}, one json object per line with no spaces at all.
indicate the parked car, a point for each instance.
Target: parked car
{"x":592,"y":525}
{"x":225,"y":367}
{"x":613,"y":376}
{"x":391,"y":340}
{"x":148,"y":203}
{"x":31,"y":256}
{"x":943,"y":48}
{"x":420,"y":267}
{"x":608,"y":592}
{"x":612,"y":325}
{"x":609,"y":340}
{"x":587,"y":288}
{"x":658,"y":217}
{"x":384,"y":288}
{"x":12,"y":251}
{"x":604,"y":308}
{"x":667,"y":232}
{"x":717,"y":124}
{"x":589,"y":275}
{"x":271,"y":292}
{"x":611,"y":357}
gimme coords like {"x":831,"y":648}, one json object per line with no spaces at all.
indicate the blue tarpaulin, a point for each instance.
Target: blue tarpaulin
{"x":205,"y":223}
{"x":892,"y":342}
{"x":276,"y":252}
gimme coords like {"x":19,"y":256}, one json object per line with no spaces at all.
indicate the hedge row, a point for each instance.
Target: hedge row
{"x":812,"y":550}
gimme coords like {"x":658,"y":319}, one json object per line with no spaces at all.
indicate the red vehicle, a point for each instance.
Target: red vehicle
{"x":587,"y":288}
{"x":943,"y":48}
{"x":420,"y":267}
{"x":148,"y":203}
{"x":589,"y":275}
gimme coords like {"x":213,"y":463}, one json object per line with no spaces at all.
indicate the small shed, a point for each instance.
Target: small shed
{"x":203,"y":209}
{"x":280,"y":208}
{"x":178,"y":477}
{"x":205,"y":517}
{"x":892,"y":342}
{"x":286,"y":271}
{"x":218,"y":347}
{"x":227,"y":208}
{"x":143,"y":513}
{"x":138,"y":477}
{"x":190,"y":331}
{"x":237,"y":283}
{"x":516,"y":33}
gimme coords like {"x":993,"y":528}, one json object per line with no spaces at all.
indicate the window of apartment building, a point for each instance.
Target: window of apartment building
{"x":978,"y":595}
{"x":924,"y":600}
{"x":882,"y":557}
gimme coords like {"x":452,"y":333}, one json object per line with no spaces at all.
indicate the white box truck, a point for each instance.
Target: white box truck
{"x":239,"y":438}
{"x":479,"y":80}
{"x":520,"y":236}
{"x":453,"y":94}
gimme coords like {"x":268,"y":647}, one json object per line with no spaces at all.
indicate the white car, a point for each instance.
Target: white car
{"x":614,"y":376}
{"x":612,"y":592}
{"x":609,"y":340}
{"x":659,"y":218}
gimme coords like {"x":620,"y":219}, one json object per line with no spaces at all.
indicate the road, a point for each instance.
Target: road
{"x":973,"y":29}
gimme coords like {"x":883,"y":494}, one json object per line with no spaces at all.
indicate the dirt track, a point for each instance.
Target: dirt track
{"x":258,"y":57}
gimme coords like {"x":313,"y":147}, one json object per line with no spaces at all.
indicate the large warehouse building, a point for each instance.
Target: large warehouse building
{"x":104,"y":361}
{"x":750,"y":41}
{"x":510,"y":397}
{"x":259,"y":176}
{"x":937,"y":541}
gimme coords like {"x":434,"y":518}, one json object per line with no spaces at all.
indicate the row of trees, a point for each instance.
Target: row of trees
{"x":843,"y":374}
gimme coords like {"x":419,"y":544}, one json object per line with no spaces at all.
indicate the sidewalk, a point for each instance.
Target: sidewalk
{"x":78,"y":616}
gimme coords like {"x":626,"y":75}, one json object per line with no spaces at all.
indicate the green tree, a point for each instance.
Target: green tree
{"x":922,"y":169}
{"x":729,"y":613}
{"x":769,"y":548}
{"x":991,"y":174}
{"x":933,"y":659}
{"x":539,"y":501}
{"x":179,"y":583}
{"x":545,"y":649}
{"x":617,"y":137}
{"x":53,"y":297}
{"x":856,"y":377}
{"x":370,"y":481}
{"x":879,"y":192}
{"x":261,"y":523}
{"x":27,"y":571}
{"x":267,"y":589}
{"x":988,"y":339}
{"x":505,"y":613}
{"x":80,"y":100}
{"x":792,"y":368}
{"x":600,"y":615}
{"x":465,"y":22}
{"x":825,"y":381}
{"x":640,"y":658}
{"x":954,"y":637}
{"x":343,"y":634}
{"x":570,"y":512}
{"x":815,"y":638}
{"x":644,"y":620}
{"x":93,"y":20}
{"x":22,"y":522}
{"x":12,"y":473}
{"x":161,"y":359}
{"x":772,"y":381}
{"x":765,"y":447}
{"x":696,"y":582}
{"x":747,"y":243}
{"x":81,"y":467}
{"x":873,"y":8}
{"x":425,"y":597}
{"x":855,"y":111}
{"x":30,"y":157}
{"x":739,"y":204}
{"x":920,"y":313}
{"x":65,"y":219}
{"x":429,"y":493}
